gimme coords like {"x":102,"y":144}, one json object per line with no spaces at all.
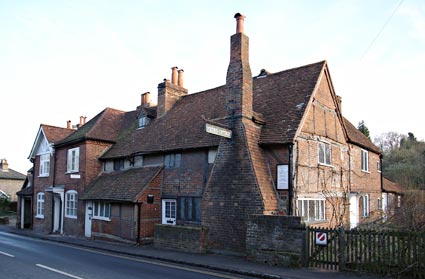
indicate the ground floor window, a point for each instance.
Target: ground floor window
{"x":102,"y":210}
{"x":364,"y":205}
{"x":169,"y":207}
{"x":71,"y":204}
{"x":40,"y":205}
{"x":189,"y":209}
{"x":311,"y":209}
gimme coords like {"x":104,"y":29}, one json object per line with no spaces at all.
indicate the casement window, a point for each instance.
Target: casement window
{"x":379,"y":203}
{"x":189,"y":209}
{"x":102,"y":211}
{"x":398,"y":201}
{"x":118,"y":164}
{"x":40,"y":205}
{"x":73,"y":160}
{"x":172,"y":160}
{"x":325,"y":154}
{"x":143,"y":121}
{"x":378,"y":166}
{"x":44,"y":165}
{"x":71,"y":204}
{"x":212,"y":153}
{"x":311,"y":209}
{"x":169,"y":211}
{"x":364,"y":205}
{"x":365,"y":160}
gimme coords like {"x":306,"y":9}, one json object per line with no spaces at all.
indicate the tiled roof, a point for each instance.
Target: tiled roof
{"x":11,"y":174}
{"x":277,"y":98}
{"x":282,"y":98}
{"x":104,"y":127}
{"x":123,"y":186}
{"x":357,"y":137}
{"x":391,"y":187}
{"x":55,"y":134}
{"x":182,"y":127}
{"x":27,"y":191}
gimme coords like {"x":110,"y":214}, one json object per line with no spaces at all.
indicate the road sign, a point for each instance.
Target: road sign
{"x":321,"y":238}
{"x":222,"y":132}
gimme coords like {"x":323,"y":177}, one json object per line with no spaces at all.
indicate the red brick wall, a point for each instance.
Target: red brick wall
{"x":150,"y":213}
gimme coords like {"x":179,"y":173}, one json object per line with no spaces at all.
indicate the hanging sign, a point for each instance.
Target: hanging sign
{"x":321,"y":238}
{"x":215,"y":130}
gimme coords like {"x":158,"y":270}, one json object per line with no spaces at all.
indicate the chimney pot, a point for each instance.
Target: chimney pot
{"x":146,"y":99}
{"x":174,"y":75}
{"x":81,"y":120}
{"x":180,"y":80}
{"x":239,"y":22}
{"x":68,"y":124}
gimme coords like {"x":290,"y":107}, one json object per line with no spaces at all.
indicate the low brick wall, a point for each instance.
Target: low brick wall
{"x":183,"y":238}
{"x":276,"y":240}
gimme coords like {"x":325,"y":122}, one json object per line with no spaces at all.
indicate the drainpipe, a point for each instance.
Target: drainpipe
{"x":139,"y":207}
{"x":290,"y":183}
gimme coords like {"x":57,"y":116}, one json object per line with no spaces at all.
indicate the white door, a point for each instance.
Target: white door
{"x":354,"y":211}
{"x":56,"y":213}
{"x":89,"y":214}
{"x":169,"y":207}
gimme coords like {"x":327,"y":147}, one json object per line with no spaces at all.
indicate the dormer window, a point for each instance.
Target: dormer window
{"x":143,"y":121}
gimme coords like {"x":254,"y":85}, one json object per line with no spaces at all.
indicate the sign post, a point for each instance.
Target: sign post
{"x":216,"y":130}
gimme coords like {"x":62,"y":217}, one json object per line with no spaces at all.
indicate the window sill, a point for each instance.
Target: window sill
{"x":71,"y":217}
{"x":43,"y":175}
{"x":325,"y":165}
{"x":102,"y":219}
{"x":39,"y":216}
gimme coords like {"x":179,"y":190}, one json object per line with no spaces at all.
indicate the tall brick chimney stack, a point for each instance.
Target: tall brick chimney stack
{"x":239,"y":98}
{"x":4,"y":166}
{"x":170,"y":92}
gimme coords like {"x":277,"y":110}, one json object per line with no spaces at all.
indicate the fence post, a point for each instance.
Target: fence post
{"x":341,"y":246}
{"x":306,"y":250}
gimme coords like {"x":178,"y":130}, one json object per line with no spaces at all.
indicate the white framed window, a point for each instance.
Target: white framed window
{"x":44,"y":165}
{"x":311,"y":209}
{"x":364,"y":203}
{"x":365,"y":160}
{"x":169,"y":211}
{"x":102,"y":211}
{"x":378,"y":166}
{"x":325,"y":152}
{"x":40,"y":205}
{"x":143,"y":121}
{"x":73,"y":160}
{"x":212,"y":153}
{"x":71,"y":204}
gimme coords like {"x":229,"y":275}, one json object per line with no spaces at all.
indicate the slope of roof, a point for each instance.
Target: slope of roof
{"x":123,"y":186}
{"x":183,"y":127}
{"x":11,"y":174}
{"x":105,"y":126}
{"x":55,"y":134}
{"x":357,"y":137}
{"x":277,"y":97}
{"x":282,"y":98}
{"x":391,"y":187}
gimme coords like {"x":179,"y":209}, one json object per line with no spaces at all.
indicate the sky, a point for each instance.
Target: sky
{"x":60,"y":60}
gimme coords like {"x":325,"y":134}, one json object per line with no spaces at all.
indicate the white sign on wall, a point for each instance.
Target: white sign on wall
{"x":282,"y":177}
{"x":222,"y":132}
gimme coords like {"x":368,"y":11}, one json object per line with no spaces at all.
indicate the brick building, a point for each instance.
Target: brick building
{"x":10,"y":181}
{"x":202,"y":164}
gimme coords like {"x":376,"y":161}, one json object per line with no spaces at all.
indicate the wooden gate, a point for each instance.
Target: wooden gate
{"x":383,"y":252}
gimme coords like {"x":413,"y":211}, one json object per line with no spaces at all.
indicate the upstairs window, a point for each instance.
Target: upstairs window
{"x":143,"y":121}
{"x":365,"y":160}
{"x":73,"y":160}
{"x":325,"y":153}
{"x":71,"y":204}
{"x":172,"y":160}
{"x":44,"y":165}
{"x":40,"y":205}
{"x":118,"y":164}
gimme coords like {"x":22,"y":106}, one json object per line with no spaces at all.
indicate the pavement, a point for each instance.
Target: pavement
{"x":224,"y":263}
